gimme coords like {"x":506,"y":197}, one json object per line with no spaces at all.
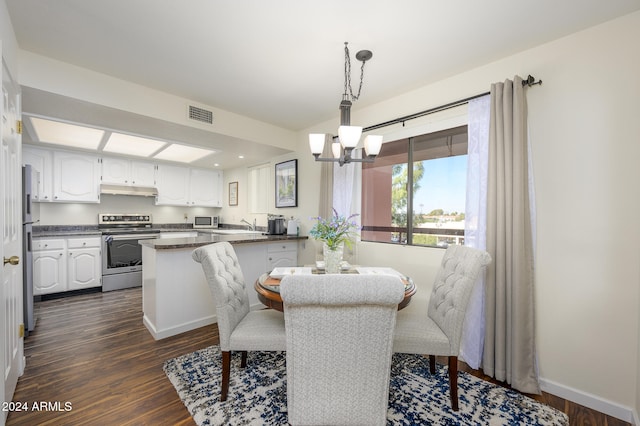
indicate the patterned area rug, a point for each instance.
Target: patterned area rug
{"x":258,"y":394}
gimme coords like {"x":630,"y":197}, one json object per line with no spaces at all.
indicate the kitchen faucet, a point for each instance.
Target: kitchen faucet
{"x":251,"y":227}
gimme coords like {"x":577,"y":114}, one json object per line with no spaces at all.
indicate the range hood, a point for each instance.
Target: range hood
{"x":143,"y":191}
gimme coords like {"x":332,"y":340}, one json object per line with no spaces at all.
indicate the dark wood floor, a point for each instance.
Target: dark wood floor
{"x":93,"y":352}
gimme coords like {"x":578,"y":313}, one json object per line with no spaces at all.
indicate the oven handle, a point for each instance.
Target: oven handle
{"x":131,"y":237}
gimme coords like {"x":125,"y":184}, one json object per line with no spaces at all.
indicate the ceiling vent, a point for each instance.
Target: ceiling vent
{"x":200,"y":114}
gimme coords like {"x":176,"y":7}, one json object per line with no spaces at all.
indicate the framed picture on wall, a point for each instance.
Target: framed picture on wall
{"x":233,"y":193}
{"x":287,"y":184}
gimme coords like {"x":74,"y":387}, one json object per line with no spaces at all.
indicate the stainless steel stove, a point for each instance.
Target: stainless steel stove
{"x":121,"y":251}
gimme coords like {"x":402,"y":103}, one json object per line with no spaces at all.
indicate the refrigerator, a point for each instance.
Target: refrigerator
{"x":30,"y":180}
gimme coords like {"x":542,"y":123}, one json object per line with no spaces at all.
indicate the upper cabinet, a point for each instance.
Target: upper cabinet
{"x":76,"y":177}
{"x":205,"y":188}
{"x":173,"y":185}
{"x":42,"y":161}
{"x":120,"y":171}
{"x":182,"y":186}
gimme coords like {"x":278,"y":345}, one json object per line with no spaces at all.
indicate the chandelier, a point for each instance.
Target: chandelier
{"x":348,"y":135}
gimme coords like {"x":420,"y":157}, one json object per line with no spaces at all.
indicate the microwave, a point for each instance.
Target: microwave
{"x":205,"y":222}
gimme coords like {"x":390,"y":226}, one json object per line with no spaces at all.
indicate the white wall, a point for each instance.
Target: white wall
{"x":79,"y":83}
{"x":87,"y":214}
{"x":584,"y":123}
{"x":584,"y":127}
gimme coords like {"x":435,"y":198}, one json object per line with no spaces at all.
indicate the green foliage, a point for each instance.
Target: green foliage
{"x":335,"y":230}
{"x":399,"y":192}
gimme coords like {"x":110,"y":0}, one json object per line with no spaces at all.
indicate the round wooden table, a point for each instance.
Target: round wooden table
{"x":268,"y":289}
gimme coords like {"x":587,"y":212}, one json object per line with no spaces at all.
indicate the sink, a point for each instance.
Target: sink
{"x":235,"y":232}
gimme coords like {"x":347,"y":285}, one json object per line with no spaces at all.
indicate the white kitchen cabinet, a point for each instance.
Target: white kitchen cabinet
{"x":205,"y":188}
{"x":282,"y":254}
{"x":49,"y":266}
{"x":63,"y":264}
{"x":173,"y":185}
{"x":120,"y":171}
{"x":84,"y":267}
{"x":42,"y":161}
{"x":76,"y":177}
{"x":181,"y":186}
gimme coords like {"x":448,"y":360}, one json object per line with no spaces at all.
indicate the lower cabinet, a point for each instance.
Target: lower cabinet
{"x":282,"y":254}
{"x":63,"y":264}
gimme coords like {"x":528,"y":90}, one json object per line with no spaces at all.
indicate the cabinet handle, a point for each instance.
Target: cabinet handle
{"x":270,"y":258}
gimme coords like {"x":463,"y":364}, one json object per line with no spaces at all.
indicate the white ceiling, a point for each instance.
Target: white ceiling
{"x":281,"y":61}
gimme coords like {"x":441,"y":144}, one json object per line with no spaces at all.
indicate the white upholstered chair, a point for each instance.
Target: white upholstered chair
{"x":339,"y":346}
{"x":239,"y":328}
{"x":439,"y":331}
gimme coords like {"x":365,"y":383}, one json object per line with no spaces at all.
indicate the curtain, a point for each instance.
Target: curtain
{"x":326,"y":181}
{"x":346,"y":195}
{"x":472,"y":342}
{"x":509,"y":347}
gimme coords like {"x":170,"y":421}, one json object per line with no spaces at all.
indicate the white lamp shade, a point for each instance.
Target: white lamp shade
{"x":372,"y":144}
{"x":335,"y":149}
{"x":316,"y":142}
{"x":349,"y":135}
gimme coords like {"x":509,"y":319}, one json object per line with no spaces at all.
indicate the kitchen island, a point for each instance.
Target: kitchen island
{"x":175,"y":293}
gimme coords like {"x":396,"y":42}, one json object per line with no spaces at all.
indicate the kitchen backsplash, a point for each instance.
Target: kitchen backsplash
{"x":87,"y":213}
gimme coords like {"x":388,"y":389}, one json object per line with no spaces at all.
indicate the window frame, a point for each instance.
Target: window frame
{"x":409,"y":229}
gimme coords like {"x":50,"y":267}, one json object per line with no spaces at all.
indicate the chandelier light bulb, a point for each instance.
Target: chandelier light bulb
{"x":316,"y":142}
{"x":373,"y":144}
{"x":349,"y":135}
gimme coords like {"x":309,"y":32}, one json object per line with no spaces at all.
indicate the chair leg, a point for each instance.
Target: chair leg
{"x":453,"y":381}
{"x":432,"y":364}
{"x":243,"y":360}
{"x":226,"y":370}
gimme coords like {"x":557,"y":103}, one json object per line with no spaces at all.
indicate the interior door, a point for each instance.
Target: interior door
{"x":11,"y":297}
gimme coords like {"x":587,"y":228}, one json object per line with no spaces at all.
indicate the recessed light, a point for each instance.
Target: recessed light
{"x":132,"y":145}
{"x":240,"y":156}
{"x":183,"y":153}
{"x":66,"y":134}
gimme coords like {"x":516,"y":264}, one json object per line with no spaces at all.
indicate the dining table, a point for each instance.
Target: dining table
{"x":267,"y":286}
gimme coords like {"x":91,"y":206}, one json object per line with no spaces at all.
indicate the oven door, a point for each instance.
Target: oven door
{"x":122,"y":253}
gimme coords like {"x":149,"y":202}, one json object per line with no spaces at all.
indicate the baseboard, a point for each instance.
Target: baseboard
{"x":594,"y":402}
{"x":182,"y":328}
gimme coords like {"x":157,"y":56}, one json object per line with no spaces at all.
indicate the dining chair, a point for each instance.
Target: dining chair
{"x":339,"y":331}
{"x":439,"y":331}
{"x":239,"y":328}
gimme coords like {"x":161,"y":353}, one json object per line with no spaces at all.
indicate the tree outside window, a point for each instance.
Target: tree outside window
{"x":433,"y":190}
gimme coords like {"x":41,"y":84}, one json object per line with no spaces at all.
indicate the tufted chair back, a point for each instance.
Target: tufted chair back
{"x":226,"y":282}
{"x":339,"y":331}
{"x":452,"y":289}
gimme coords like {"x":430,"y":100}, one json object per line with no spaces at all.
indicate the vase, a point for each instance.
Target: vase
{"x":332,"y":258}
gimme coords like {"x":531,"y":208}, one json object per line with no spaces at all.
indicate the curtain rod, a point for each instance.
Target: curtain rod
{"x":530,"y":81}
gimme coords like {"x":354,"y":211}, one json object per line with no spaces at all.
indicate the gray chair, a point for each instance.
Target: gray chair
{"x":239,"y":328}
{"x":439,"y":331}
{"x":339,"y":346}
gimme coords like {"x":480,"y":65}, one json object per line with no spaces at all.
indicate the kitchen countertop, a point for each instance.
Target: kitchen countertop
{"x":61,"y":231}
{"x":202,"y":240}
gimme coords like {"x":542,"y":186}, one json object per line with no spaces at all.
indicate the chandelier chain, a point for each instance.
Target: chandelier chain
{"x":347,"y":75}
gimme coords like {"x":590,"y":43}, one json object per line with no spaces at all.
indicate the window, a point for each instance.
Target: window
{"x":433,"y":190}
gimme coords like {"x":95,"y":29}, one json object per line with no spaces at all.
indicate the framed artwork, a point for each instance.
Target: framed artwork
{"x":233,"y":193}
{"x":287,"y":184}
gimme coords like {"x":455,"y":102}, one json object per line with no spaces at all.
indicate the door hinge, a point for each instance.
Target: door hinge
{"x":21,"y":330}
{"x":19,"y":126}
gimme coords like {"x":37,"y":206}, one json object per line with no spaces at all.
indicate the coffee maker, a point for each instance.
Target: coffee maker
{"x":275,"y":225}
